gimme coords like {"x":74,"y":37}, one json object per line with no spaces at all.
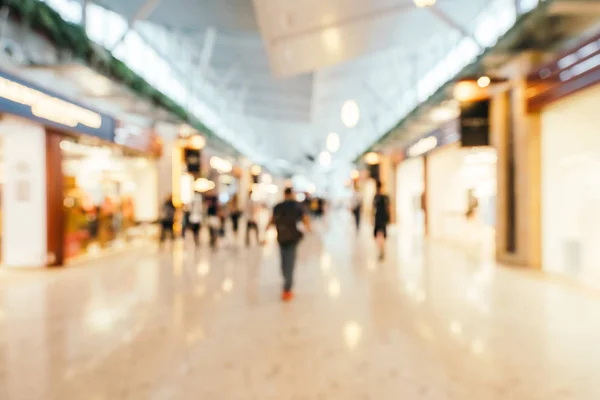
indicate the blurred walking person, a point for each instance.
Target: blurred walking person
{"x":357,"y":208}
{"x":381,"y":207}
{"x":252,"y":214}
{"x":286,"y":217}
{"x":167,"y":219}
{"x":195,"y":217}
{"x":214,"y":220}
{"x":235,"y":214}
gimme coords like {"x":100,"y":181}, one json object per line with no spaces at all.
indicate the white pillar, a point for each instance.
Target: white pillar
{"x":145,"y":198}
{"x":24,"y":232}
{"x":168,"y":132}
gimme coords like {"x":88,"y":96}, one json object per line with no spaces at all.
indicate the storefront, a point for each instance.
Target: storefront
{"x":70,"y":169}
{"x":409,"y":197}
{"x":570,"y":162}
{"x":462,"y":195}
{"x":110,"y":198}
{"x":446,"y":188}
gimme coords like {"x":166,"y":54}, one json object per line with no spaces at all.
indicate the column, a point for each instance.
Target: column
{"x":388,"y":179}
{"x":24,"y":197}
{"x":516,"y":136}
{"x":245,"y":184}
{"x":55,"y":199}
{"x":145,"y":198}
{"x":168,"y":133}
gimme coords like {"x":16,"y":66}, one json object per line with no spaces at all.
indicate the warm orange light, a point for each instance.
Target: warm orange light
{"x":372,"y":158}
{"x":484,"y":82}
{"x":465,"y":91}
{"x":355,"y":174}
{"x":196,"y":142}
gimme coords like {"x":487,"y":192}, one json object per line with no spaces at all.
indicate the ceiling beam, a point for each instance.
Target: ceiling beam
{"x":230,"y":75}
{"x":143,"y":12}
{"x":208,"y":48}
{"x":454,"y":25}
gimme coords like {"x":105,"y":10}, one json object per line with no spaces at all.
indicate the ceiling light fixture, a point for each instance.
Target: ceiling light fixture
{"x":372,"y":158}
{"x":333,"y":142}
{"x":424,"y":3}
{"x":203,"y":185}
{"x":196,"y":142}
{"x":256,"y":170}
{"x":443,"y":114}
{"x":186,"y":131}
{"x":484,"y":82}
{"x":466,"y":91}
{"x":221,"y":165}
{"x":350,"y":113}
{"x":325,"y":158}
{"x":266,"y":178}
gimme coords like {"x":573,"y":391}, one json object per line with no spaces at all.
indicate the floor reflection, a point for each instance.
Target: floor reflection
{"x":430,"y":322}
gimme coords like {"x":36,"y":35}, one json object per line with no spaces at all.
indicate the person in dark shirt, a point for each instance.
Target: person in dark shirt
{"x":286,"y":216}
{"x":167,"y":219}
{"x":214,"y":220}
{"x":381,"y":207}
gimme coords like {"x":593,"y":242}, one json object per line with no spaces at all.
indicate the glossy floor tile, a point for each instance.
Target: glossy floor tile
{"x":432,"y":322}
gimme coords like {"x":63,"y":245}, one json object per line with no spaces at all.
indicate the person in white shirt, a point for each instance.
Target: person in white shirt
{"x":252,"y":211}
{"x":195,"y":218}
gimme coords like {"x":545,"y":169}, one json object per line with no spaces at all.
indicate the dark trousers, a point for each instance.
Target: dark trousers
{"x":252,"y":226}
{"x":195,"y":227}
{"x":356,"y":213}
{"x":288,"y":263}
{"x":166,"y":228}
{"x":185,"y":224}
{"x":214,"y":234}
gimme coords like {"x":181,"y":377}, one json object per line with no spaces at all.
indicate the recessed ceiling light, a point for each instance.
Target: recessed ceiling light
{"x":484,"y":82}
{"x":325,"y":159}
{"x":196,"y":142}
{"x":350,"y":113}
{"x":424,"y":3}
{"x":333,"y":142}
{"x":372,"y":158}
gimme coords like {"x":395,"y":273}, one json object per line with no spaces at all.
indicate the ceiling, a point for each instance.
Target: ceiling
{"x":284,"y":68}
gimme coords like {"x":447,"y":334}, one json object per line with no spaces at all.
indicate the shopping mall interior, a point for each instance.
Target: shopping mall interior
{"x":320,"y":199}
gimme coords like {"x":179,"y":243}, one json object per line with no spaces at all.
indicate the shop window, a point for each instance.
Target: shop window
{"x":109,"y":199}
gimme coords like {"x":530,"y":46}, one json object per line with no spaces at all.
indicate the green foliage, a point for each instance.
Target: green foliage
{"x":72,"y":37}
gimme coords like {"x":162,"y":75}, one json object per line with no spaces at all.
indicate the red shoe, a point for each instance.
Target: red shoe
{"x":287,"y":296}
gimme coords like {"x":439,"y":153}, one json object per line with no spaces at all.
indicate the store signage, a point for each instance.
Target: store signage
{"x":26,"y":100}
{"x":423,"y":146}
{"x":475,"y":123}
{"x":193,"y":159}
{"x":574,"y":70}
{"x":445,"y":135}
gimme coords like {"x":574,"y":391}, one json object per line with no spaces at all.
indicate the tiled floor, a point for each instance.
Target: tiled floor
{"x":430,"y":323}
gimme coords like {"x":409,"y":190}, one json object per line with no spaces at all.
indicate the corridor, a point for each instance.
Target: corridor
{"x":431,"y":322}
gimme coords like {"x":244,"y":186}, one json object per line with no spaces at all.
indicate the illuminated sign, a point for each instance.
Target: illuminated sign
{"x":21,"y":98}
{"x":423,"y":146}
{"x":447,"y":134}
